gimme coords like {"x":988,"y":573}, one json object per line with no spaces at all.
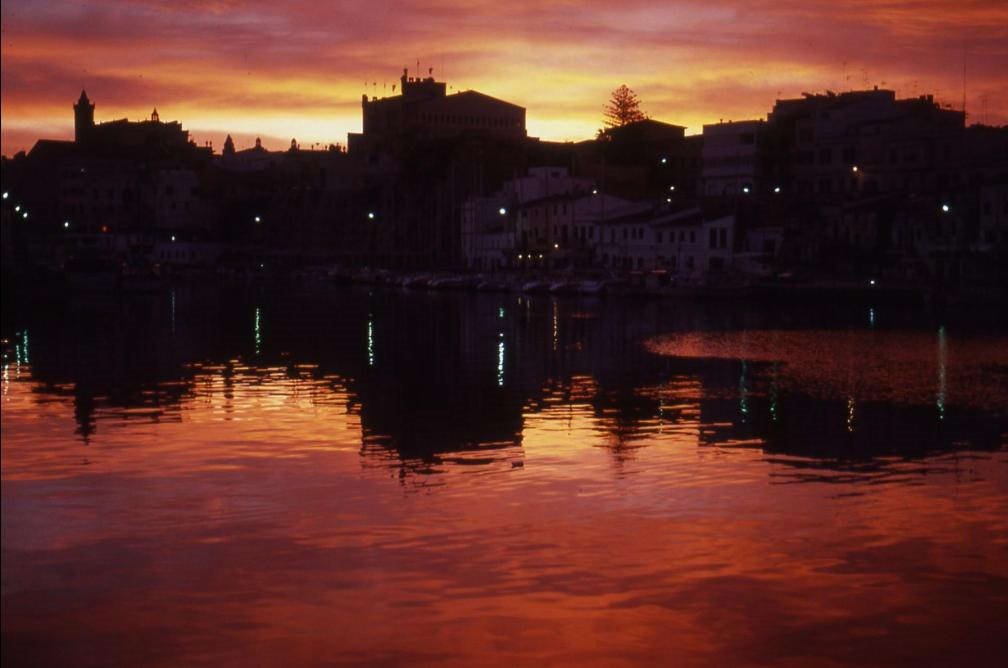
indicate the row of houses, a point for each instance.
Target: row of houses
{"x":550,"y":221}
{"x":830,"y":182}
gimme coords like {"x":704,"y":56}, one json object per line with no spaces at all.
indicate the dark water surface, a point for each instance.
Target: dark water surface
{"x":275,"y":478}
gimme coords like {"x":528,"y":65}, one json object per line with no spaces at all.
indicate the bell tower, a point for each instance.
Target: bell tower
{"x":83,"y":117}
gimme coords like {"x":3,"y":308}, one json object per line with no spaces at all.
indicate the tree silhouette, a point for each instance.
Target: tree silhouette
{"x":623,"y":108}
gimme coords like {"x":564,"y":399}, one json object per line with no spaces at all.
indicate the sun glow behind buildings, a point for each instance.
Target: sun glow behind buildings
{"x":282,"y":71}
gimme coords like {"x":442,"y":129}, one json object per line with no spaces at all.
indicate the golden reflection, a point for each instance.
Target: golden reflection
{"x":874,"y":365}
{"x":604,"y":511}
{"x":556,"y":324}
{"x":942,"y":355}
{"x":257,"y":331}
{"x":370,"y":340}
{"x":500,"y":360}
{"x":743,"y":393}
{"x":221,"y":416}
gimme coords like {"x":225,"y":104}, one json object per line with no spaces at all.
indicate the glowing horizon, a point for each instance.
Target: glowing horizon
{"x":298,"y":71}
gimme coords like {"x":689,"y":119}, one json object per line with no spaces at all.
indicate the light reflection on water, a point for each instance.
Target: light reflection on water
{"x":499,"y":480}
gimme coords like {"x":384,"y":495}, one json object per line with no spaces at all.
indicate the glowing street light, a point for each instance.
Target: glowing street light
{"x":502,"y":211}
{"x":594,"y":191}
{"x":371,"y":215}
{"x":777,"y":189}
{"x":855,"y":169}
{"x":6,"y":194}
{"x":17,"y":208}
{"x":671,"y":188}
{"x":664,"y":160}
{"x":24,"y":215}
{"x":745,"y":189}
{"x":173,"y":238}
{"x":945,"y":208}
{"x":257,"y":219}
{"x":556,"y":246}
{"x":66,"y":224}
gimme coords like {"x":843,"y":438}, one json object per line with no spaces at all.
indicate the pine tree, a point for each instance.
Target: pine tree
{"x":623,"y":108}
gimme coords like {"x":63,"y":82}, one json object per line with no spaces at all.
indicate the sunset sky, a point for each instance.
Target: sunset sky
{"x":298,"y":69}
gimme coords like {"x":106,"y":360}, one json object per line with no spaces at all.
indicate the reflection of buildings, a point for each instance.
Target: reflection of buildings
{"x":442,"y":378}
{"x":431,"y":389}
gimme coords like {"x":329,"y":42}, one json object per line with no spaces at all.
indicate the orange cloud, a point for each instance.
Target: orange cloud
{"x":298,"y":69}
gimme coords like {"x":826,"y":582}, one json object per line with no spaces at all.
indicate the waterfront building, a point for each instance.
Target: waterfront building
{"x":832,"y":146}
{"x":730,"y":159}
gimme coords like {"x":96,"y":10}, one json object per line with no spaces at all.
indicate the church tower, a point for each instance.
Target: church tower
{"x":229,"y":147}
{"x":83,"y":117}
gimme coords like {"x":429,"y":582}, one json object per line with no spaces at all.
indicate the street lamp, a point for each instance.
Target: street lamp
{"x":855,"y":169}
{"x":945,"y":208}
{"x":745,"y":190}
{"x":502,"y":211}
{"x":6,"y":194}
{"x":371,"y":215}
{"x":777,"y":189}
{"x":66,"y":224}
{"x":257,"y":219}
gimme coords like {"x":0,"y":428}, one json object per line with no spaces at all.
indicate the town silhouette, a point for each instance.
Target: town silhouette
{"x":833,"y":193}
